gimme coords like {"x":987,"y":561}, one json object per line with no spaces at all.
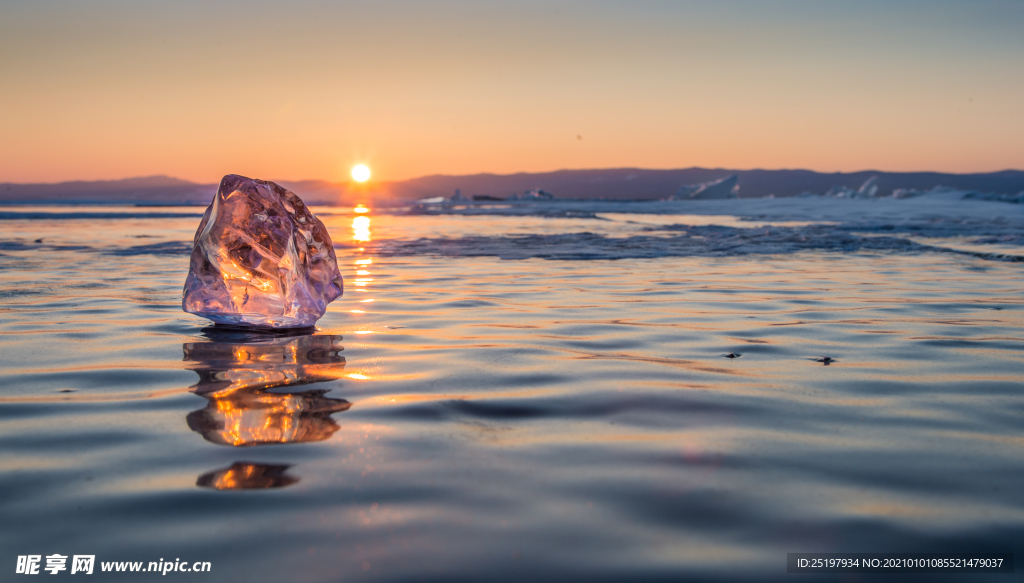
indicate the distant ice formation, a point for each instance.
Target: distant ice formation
{"x":536,"y":194}
{"x":867,"y":190}
{"x":907,"y":222}
{"x":689,"y":241}
{"x":996,"y":197}
{"x":939,"y":220}
{"x":870,"y":190}
{"x":727,"y":187}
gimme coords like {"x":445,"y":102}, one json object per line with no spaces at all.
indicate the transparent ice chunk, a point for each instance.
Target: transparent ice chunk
{"x":260,"y":259}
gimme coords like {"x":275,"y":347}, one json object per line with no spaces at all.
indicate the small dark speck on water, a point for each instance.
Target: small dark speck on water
{"x":39,"y":240}
{"x":732,"y":355}
{"x":67,"y":391}
{"x":827,"y":360}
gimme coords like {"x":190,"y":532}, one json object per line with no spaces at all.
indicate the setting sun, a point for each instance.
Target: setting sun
{"x":360,"y":173}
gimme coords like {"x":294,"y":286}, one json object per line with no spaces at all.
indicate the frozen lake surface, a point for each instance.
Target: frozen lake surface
{"x":525,"y":395}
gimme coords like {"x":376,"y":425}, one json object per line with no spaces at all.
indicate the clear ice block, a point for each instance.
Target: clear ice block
{"x":260,"y":259}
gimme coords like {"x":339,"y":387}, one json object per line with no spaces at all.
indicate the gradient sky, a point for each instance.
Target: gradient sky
{"x":306,"y":89}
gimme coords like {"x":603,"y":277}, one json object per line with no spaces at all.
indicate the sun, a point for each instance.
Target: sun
{"x":360,"y":173}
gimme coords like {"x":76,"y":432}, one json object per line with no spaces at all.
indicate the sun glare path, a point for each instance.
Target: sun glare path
{"x":361,"y":233}
{"x":361,"y":228}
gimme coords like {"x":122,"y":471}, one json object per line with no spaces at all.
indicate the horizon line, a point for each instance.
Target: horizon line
{"x":606,"y":169}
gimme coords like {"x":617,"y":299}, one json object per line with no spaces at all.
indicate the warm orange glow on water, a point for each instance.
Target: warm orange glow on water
{"x":360,"y":209}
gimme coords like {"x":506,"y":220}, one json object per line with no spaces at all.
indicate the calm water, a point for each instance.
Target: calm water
{"x":459,"y":417}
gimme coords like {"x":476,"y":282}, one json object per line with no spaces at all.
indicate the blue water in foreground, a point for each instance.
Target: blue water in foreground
{"x":566,"y":412}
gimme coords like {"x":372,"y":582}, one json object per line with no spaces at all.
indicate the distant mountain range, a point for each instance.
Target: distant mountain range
{"x":618,"y":183}
{"x":151,"y":189}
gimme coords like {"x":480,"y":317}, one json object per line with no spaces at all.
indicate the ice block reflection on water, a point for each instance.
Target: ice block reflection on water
{"x":248,"y":476}
{"x":236,"y":370}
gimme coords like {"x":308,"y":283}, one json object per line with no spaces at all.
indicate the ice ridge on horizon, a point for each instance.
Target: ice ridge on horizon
{"x":698,"y":241}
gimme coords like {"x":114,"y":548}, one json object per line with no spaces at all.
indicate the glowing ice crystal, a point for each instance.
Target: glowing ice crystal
{"x":260,"y":259}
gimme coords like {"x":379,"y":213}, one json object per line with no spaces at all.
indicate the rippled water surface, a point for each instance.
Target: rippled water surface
{"x":462,"y":417}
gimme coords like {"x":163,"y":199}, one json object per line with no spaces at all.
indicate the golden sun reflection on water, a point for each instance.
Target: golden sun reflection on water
{"x":362,"y":280}
{"x":361,"y":229}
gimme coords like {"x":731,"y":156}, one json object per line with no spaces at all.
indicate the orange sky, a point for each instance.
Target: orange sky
{"x":307,"y":89}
